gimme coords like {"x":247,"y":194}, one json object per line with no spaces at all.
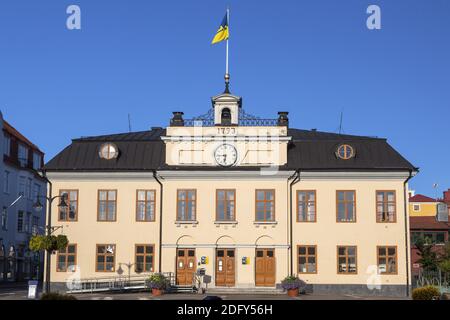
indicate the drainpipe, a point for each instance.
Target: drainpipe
{"x":291,"y":240}
{"x":406,"y":230}
{"x":160,"y":218}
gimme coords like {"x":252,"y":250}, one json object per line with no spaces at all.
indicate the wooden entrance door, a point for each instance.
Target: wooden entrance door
{"x":265,"y":268}
{"x":225,"y":268}
{"x":186,"y":266}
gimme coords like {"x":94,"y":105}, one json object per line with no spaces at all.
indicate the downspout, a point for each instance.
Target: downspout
{"x":160,"y":218}
{"x":291,"y":240}
{"x":406,"y":230}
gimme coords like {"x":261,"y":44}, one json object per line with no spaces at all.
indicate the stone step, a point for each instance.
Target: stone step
{"x":245,"y":291}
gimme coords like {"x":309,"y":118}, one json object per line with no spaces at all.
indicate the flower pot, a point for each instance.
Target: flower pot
{"x":156,"y":292}
{"x":293,"y":292}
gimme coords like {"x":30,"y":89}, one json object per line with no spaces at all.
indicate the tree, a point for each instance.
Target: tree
{"x":428,"y":257}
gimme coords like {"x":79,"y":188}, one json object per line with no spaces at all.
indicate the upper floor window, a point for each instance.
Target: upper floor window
{"x":386,"y":207}
{"x":416,"y":207}
{"x":225,"y":205}
{"x":36,"y":192}
{"x":346,"y":206}
{"x":6,"y":182}
{"x":145,"y":207}
{"x":67,"y":258}
{"x":387,"y":259}
{"x":265,"y":205}
{"x":306,"y":206}
{"x":37,"y":161}
{"x":347,"y":259}
{"x":7,"y":145}
{"x":22,"y":186}
{"x":23,"y":155}
{"x":28,"y":192}
{"x":69,"y":213}
{"x":186,"y":205}
{"x":35,"y":226}
{"x":107,"y":204}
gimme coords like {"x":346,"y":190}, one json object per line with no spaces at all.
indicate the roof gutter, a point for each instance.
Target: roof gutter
{"x":160,"y":218}
{"x":296,"y":178}
{"x":406,"y":229}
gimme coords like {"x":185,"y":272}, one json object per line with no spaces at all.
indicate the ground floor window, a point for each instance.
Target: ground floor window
{"x":144,"y":258}
{"x":307,"y":259}
{"x":106,"y":258}
{"x":67,"y":258}
{"x":347,"y":259}
{"x":387,"y":259}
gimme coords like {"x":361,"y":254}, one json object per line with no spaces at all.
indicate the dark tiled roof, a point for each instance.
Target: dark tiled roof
{"x":421,"y":198}
{"x":14,"y":132}
{"x":308,"y":150}
{"x":427,"y":223}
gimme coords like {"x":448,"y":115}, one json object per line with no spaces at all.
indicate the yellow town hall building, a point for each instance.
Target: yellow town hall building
{"x":247,"y":201}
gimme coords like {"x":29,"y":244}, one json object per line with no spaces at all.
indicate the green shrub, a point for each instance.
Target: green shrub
{"x":57,"y":296}
{"x":425,"y":293}
{"x":158,"y":281}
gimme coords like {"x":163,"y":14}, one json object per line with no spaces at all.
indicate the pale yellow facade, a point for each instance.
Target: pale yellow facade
{"x":422,"y":209}
{"x":243,"y":159}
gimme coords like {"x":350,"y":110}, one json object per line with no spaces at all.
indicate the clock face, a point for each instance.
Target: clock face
{"x":225,"y":155}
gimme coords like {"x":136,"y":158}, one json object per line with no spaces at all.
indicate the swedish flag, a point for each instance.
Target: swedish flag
{"x":223,"y":33}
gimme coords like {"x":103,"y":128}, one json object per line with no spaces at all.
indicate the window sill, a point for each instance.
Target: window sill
{"x":265,"y":222}
{"x":226,"y":222}
{"x":186,"y":222}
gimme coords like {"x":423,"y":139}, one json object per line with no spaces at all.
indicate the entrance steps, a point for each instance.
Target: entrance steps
{"x":251,"y":291}
{"x":182,"y":289}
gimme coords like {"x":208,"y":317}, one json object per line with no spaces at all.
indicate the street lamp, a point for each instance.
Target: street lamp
{"x":38,"y":208}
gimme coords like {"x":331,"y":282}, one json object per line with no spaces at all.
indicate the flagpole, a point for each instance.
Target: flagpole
{"x":227,"y":74}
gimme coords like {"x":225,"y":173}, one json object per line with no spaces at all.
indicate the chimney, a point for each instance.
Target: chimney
{"x":283,"y":120}
{"x":177,"y":119}
{"x":447,"y":196}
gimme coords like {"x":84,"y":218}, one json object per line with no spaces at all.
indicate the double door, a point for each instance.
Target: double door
{"x":265,"y":268}
{"x":186,"y":266}
{"x":225,"y":268}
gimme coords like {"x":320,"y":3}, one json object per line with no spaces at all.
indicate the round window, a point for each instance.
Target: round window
{"x":108,"y":151}
{"x":345,"y":152}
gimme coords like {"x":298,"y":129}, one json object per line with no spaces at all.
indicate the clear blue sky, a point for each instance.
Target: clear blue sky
{"x":312,"y":58}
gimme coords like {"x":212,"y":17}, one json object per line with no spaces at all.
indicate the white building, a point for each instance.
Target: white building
{"x":20,"y":187}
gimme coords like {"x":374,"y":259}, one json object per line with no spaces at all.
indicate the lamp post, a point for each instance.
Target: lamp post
{"x":38,"y":208}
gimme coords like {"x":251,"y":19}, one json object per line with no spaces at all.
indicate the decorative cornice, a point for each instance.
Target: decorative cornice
{"x":354,"y":175}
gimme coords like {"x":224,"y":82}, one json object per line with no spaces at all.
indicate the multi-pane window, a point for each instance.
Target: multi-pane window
{"x":106,"y":258}
{"x":430,"y":237}
{"x":21,"y":186}
{"x":7,"y":145}
{"x":107,"y":204}
{"x":225,"y":205}
{"x":28,"y":193}
{"x":265,"y":205}
{"x":306,"y":206}
{"x":386,"y":208}
{"x":186,"y":205}
{"x":67,"y":258}
{"x":36,"y":192}
{"x":6,"y":182}
{"x":347,"y":259}
{"x":20,"y":223}
{"x":346,"y":206}
{"x":35,"y":226}
{"x":37,"y":160}
{"x":307,"y":259}
{"x":145,"y":206}
{"x":387,"y":259}
{"x":144,"y":258}
{"x":69,"y":213}
{"x":23,"y":155}
{"x":27,"y":222}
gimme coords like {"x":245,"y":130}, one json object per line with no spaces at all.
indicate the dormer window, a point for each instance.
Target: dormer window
{"x":226,"y":117}
{"x":23,"y":155}
{"x":345,"y":152}
{"x":108,"y":151}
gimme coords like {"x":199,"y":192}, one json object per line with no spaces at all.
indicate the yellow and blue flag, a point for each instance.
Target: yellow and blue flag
{"x":223,"y":33}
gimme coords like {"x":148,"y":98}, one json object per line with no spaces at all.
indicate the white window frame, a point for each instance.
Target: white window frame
{"x":22,"y":155}
{"x":6,"y":176}
{"x":7,"y":145}
{"x":414,"y":207}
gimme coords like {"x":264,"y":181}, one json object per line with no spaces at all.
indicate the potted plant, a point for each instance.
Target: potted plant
{"x":158,"y":283}
{"x":292,"y":284}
